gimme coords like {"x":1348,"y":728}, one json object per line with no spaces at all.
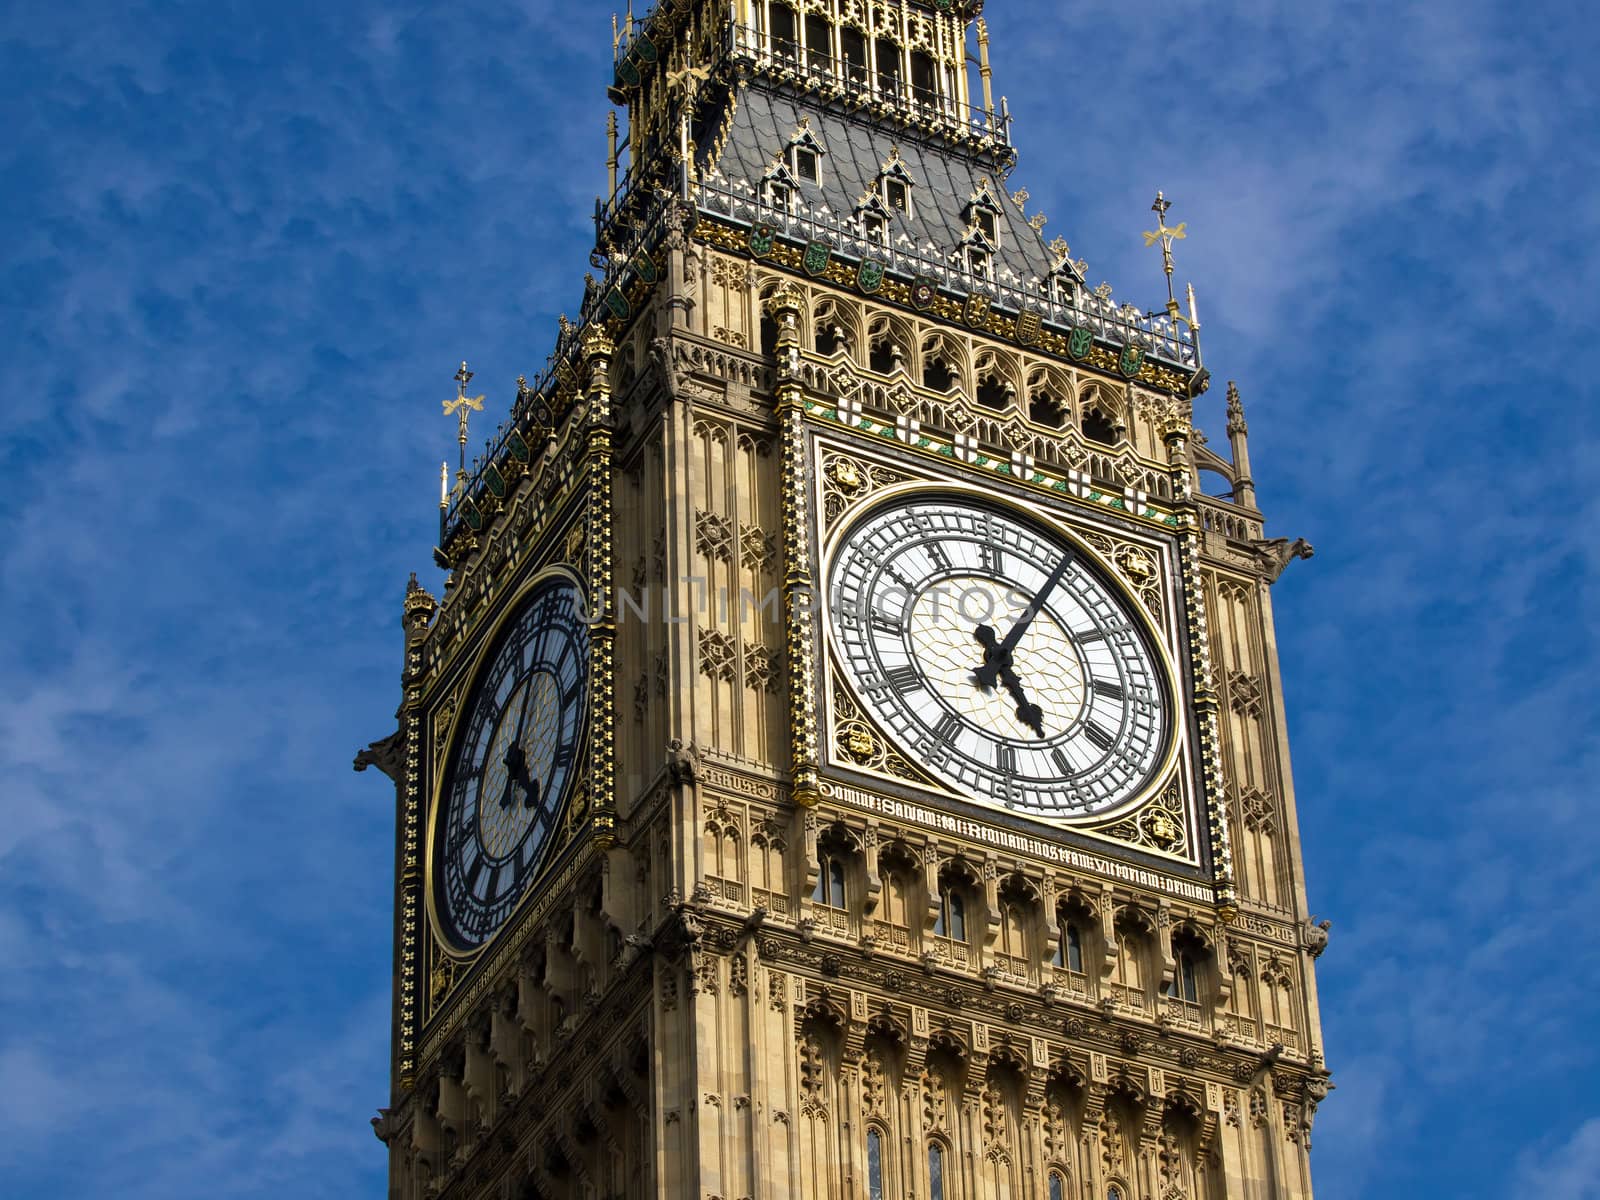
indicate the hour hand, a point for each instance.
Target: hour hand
{"x":996,"y":659}
{"x":516,"y":774}
{"x":1029,"y":713}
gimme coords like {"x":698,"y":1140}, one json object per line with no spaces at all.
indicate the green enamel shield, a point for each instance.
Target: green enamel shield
{"x":618,"y":304}
{"x":518,"y":447}
{"x":869,"y":276}
{"x":1079,"y":342}
{"x":1131,"y":360}
{"x":818,"y":255}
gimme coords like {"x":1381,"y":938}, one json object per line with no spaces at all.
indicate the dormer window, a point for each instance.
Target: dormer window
{"x":980,"y":262}
{"x":988,"y":225}
{"x":875,"y":228}
{"x":897,"y":195}
{"x":807,"y":164}
{"x":780,"y":197}
{"x":802,"y":156}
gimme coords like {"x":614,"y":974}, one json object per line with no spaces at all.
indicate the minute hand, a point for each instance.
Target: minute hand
{"x":997,"y":657}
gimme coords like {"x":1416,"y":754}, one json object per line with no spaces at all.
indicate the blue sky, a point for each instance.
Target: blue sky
{"x":245,"y":247}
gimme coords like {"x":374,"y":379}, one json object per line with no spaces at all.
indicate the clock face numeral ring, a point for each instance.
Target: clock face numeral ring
{"x":514,"y":763}
{"x":995,"y":651}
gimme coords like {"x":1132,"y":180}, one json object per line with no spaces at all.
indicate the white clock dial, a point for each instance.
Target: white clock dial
{"x":996,"y":655}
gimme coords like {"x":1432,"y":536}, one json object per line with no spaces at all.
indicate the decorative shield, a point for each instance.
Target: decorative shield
{"x":645,"y":267}
{"x":1029,"y":325}
{"x":618,"y":304}
{"x":565,"y":376}
{"x":495,"y":480}
{"x":761,"y":235}
{"x":518,"y":447}
{"x":1131,"y":360}
{"x":645,"y":48}
{"x":1079,"y":342}
{"x":470,"y":513}
{"x":818,"y":256}
{"x":628,"y":72}
{"x":869,"y":276}
{"x":923,"y":292}
{"x":976,"y":311}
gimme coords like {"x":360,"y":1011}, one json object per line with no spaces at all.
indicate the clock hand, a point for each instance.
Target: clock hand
{"x":511,"y":777}
{"x":997,"y":655}
{"x":1028,"y":713}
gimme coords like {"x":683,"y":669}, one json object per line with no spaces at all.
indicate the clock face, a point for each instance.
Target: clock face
{"x":514,"y":764}
{"x":994,"y":652}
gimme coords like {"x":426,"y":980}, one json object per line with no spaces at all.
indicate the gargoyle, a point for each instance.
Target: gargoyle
{"x":1277,"y":553}
{"x":1316,"y":936}
{"x":388,"y":755}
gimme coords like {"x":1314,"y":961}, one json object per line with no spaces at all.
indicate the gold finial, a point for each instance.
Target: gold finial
{"x":461,"y":407}
{"x":1166,"y":237}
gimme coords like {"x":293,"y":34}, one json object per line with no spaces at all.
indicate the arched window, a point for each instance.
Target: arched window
{"x":830,"y":879}
{"x":819,"y":43}
{"x":1187,"y":983}
{"x":1114,"y":1192}
{"x":874,"y":1165}
{"x":1097,"y":427}
{"x":888,"y":55}
{"x":854,"y":45}
{"x":1074,"y":948}
{"x":1058,"y":1186}
{"x":936,"y":1172}
{"x":952,"y":919}
{"x":785,"y":33}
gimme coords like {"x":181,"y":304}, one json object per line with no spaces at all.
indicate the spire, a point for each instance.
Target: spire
{"x":1244,"y":488}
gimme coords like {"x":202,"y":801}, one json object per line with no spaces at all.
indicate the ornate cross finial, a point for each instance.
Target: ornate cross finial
{"x":1166,"y":237}
{"x":461,"y":407}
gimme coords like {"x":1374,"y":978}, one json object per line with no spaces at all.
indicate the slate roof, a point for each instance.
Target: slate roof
{"x":945,"y":181}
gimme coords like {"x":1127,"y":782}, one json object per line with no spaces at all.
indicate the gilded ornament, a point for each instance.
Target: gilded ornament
{"x":844,"y":473}
{"x":859,"y":743}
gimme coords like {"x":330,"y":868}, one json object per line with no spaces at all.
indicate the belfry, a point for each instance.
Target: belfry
{"x":848,"y":758}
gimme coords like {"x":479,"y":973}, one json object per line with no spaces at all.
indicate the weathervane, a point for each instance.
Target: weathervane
{"x":1166,"y":236}
{"x":462,"y":406}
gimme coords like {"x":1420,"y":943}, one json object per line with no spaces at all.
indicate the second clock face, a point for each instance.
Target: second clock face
{"x":993,"y":651}
{"x":515,"y":763}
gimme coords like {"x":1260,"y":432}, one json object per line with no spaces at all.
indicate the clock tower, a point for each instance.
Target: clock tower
{"x":848,"y":758}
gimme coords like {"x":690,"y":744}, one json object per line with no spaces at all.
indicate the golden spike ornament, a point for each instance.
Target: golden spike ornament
{"x":1165,"y":235}
{"x":462,"y":407}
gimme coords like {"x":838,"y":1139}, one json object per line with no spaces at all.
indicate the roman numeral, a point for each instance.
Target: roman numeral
{"x":936,"y":552}
{"x":1063,"y":763}
{"x":1098,"y":736}
{"x":1005,"y":759}
{"x":1088,"y":636}
{"x":885,"y":624}
{"x":473,"y":872}
{"x":494,"y":883}
{"x":1111,"y":691}
{"x":904,"y":679}
{"x":563,"y":755}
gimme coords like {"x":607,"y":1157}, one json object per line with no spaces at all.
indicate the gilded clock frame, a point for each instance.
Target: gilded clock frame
{"x":1165,"y":633}
{"x":470,"y":677}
